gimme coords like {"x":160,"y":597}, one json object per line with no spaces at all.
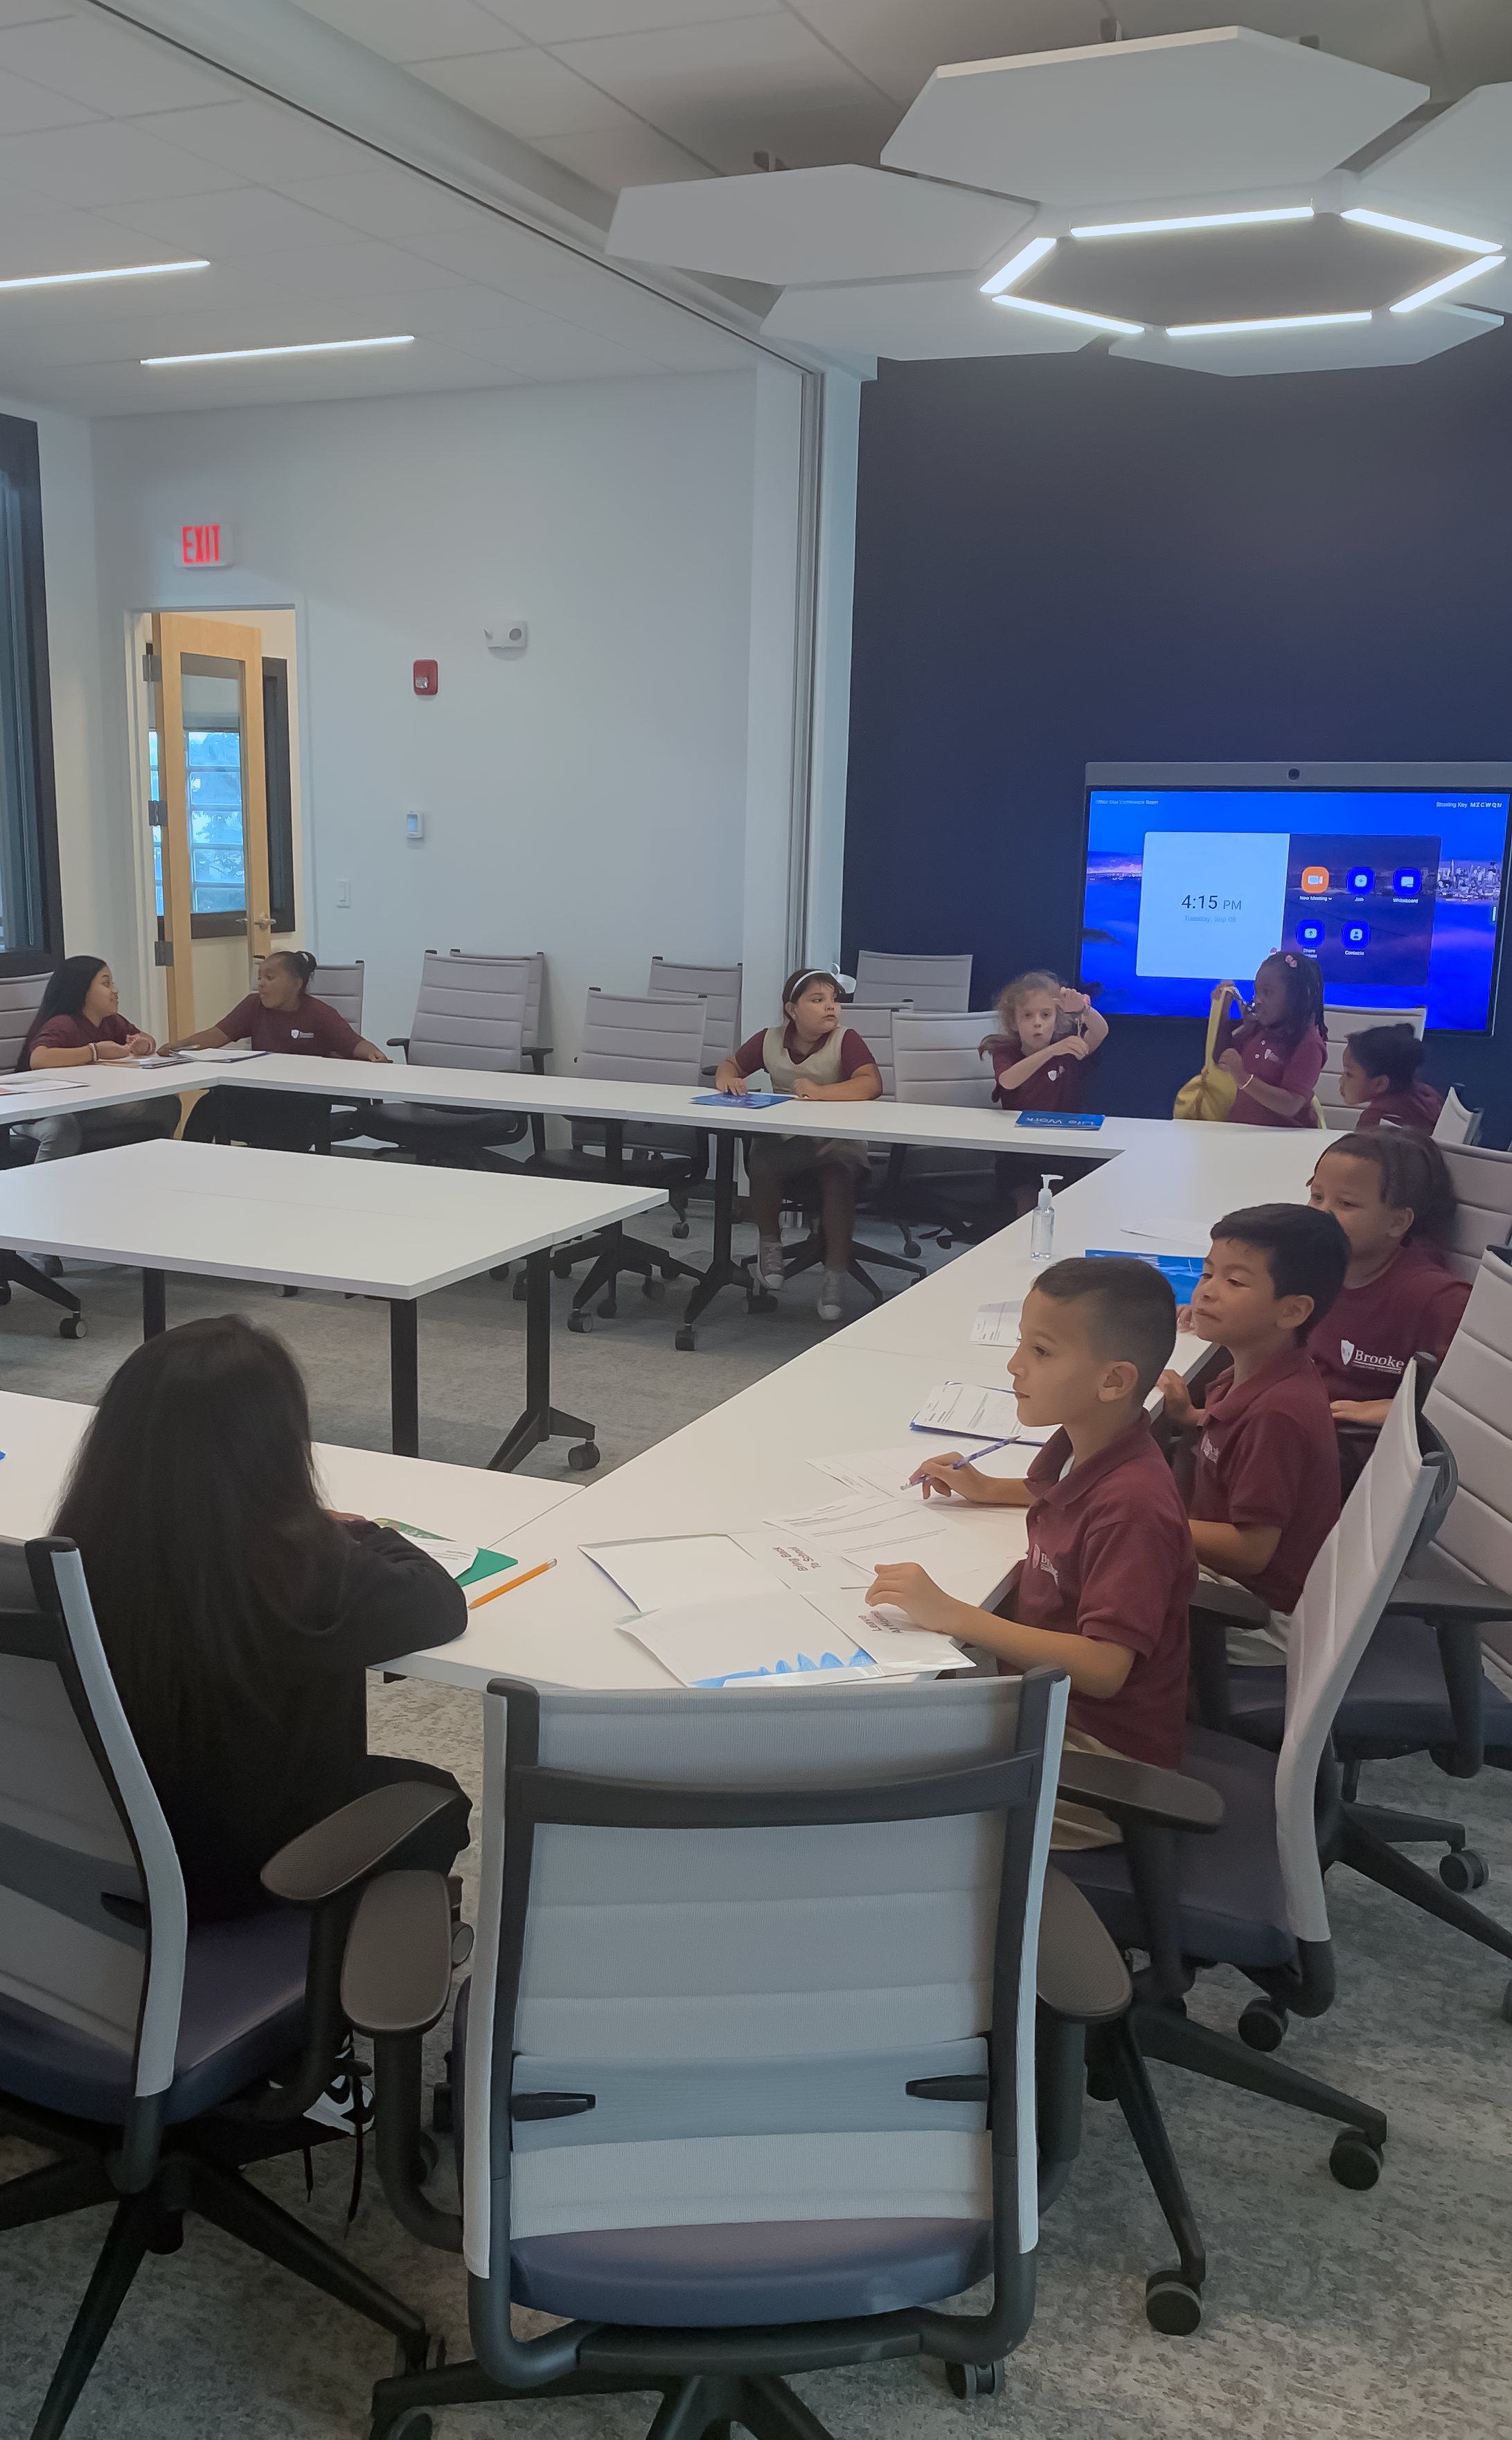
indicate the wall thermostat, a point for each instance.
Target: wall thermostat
{"x":506,"y":635}
{"x":427,"y":677}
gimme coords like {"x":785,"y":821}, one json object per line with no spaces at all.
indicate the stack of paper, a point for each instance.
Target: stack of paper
{"x":865,"y":1526}
{"x":741,"y":1642}
{"x":965,"y":1411}
{"x":997,"y":1325}
{"x":674,"y":1570}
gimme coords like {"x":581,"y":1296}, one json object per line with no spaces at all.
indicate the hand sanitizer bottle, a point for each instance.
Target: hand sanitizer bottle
{"x":1042,"y":1234}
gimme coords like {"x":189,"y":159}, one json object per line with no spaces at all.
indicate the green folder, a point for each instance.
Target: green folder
{"x":488,"y":1563}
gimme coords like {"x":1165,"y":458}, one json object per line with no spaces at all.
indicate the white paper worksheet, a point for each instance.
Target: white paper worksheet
{"x":675,"y":1569}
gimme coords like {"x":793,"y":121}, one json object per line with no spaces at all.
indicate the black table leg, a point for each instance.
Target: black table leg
{"x":404,"y":1375}
{"x":154,"y":1303}
{"x":722,"y":1271}
{"x":541,"y":1420}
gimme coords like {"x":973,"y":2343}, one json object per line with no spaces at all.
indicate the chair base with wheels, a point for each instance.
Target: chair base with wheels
{"x":15,"y":1271}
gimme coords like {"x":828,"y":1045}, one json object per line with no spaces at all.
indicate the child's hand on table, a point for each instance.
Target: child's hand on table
{"x":904,"y":1586}
{"x":1179,"y":1407}
{"x":944,"y":1476}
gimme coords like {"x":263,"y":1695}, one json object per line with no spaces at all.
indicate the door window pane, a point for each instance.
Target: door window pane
{"x":212,"y":773}
{"x":24,"y":911}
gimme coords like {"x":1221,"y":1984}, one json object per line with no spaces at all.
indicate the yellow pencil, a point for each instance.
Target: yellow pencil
{"x":509,"y":1583}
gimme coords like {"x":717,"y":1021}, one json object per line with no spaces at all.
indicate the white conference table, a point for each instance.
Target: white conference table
{"x":369,"y":1228}
{"x":89,"y":1089}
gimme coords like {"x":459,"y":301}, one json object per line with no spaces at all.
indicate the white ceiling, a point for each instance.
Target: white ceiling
{"x":117,"y":147}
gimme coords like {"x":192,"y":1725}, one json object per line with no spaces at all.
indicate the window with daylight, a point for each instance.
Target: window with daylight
{"x":30,"y":912}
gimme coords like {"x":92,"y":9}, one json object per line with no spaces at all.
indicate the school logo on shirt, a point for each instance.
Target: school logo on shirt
{"x":1037,"y":1559}
{"x":295,"y":1036}
{"x":1346,"y":1349}
{"x":1357,"y":1357}
{"x":1209,"y":1448}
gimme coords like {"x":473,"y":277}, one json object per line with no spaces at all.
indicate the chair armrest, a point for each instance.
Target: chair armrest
{"x":396,"y":1975}
{"x":369,"y":1835}
{"x":1440,"y":1599}
{"x":1136,"y":1793}
{"x":398,"y":1041}
{"x":1082,"y":1977}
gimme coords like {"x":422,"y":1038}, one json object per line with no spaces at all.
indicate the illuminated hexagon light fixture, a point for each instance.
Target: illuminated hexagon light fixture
{"x":1179,"y":198}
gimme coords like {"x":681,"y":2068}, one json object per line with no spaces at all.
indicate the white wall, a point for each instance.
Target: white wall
{"x":602,"y":797}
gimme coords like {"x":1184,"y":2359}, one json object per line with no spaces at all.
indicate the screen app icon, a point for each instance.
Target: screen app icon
{"x":1315,"y":879}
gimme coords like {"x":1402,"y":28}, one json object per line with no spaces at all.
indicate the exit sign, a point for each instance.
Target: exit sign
{"x":206,"y":547}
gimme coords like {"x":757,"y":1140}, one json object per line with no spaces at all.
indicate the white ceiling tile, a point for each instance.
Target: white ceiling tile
{"x":385,"y":203}
{"x":24,"y":105}
{"x":738,"y":86}
{"x":60,"y":241}
{"x":413,"y":29}
{"x":914,"y":321}
{"x":1385,"y":339}
{"x":1473,"y":38}
{"x":110,"y":161}
{"x":1456,"y":167}
{"x":242,"y":220}
{"x":528,"y":91}
{"x":808,"y":226}
{"x":566,"y":21}
{"x":259,"y":141}
{"x":22,"y":13}
{"x":1179,"y":115}
{"x":533,"y":346}
{"x":614,"y":158}
{"x":1390,"y":34}
{"x":107,"y":66}
{"x":898,"y":45}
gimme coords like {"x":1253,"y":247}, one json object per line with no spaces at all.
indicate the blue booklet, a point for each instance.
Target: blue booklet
{"x":738,"y":1101}
{"x":1058,"y":1118}
{"x":1182,"y":1270}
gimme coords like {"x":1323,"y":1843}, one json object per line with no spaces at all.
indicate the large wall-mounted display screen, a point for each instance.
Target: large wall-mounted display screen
{"x":1395,"y":891}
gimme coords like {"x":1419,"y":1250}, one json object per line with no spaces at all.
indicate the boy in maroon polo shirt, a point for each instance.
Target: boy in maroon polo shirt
{"x":1266,"y":1492}
{"x":1104,"y":1590}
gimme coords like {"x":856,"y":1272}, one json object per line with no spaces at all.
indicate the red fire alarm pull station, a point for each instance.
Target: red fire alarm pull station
{"x":426,"y":678}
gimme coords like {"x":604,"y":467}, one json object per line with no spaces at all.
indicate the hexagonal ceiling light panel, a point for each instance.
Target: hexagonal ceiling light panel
{"x":1375,"y":339}
{"x":801,"y":226}
{"x":1176,"y":114}
{"x":916,"y":321}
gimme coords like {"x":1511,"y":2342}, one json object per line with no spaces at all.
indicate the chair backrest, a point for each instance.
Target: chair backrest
{"x":93,"y":1917}
{"x":1342,"y":1023}
{"x":937,"y":1058}
{"x":1341,"y":1601}
{"x":340,"y":988}
{"x":1482,"y":1180}
{"x":470,"y":1014}
{"x":875,"y":1026}
{"x":1455,"y":1123}
{"x":748,"y":1984}
{"x":535,"y":1017}
{"x":20,"y":999}
{"x":941,"y":983}
{"x":1470,"y":1403}
{"x":643,"y":1041}
{"x":719,"y":987}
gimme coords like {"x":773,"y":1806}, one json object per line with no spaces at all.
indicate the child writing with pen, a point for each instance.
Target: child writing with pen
{"x":1103,"y":1589}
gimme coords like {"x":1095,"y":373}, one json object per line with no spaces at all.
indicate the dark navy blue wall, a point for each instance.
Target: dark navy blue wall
{"x":1070,"y":559}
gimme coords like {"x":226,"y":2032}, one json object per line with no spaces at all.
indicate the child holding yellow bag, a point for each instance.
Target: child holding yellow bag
{"x":1264,"y":1071}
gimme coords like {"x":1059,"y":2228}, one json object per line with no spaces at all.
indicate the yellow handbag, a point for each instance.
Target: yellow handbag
{"x":1211,"y":1094}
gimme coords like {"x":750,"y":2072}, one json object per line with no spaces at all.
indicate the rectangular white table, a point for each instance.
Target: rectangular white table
{"x":369,"y":1228}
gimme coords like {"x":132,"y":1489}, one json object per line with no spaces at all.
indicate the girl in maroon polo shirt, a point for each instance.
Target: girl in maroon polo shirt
{"x":278,"y":1015}
{"x":79,"y":1024}
{"x":1045,"y":1030}
{"x":1379,"y":1079}
{"x":1277,"y":1053}
{"x":1392,"y":1197}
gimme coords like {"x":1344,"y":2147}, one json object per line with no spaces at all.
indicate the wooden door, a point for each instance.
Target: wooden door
{"x":206,"y":678}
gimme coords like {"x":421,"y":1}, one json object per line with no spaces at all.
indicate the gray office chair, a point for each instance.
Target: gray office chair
{"x":470,"y":1014}
{"x":20,"y":999}
{"x":1482,"y":1180}
{"x":151,"y":2061}
{"x":340,"y":988}
{"x":537,"y":1039}
{"x":719,"y":987}
{"x":937,"y":1057}
{"x":753,"y":1973}
{"x":938,"y":985}
{"x":1458,"y":1124}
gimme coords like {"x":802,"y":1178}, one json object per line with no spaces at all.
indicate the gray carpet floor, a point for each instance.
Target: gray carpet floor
{"x":1330,"y":2315}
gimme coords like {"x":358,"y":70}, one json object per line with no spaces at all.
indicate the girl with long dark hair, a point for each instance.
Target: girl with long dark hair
{"x":79,"y":1024}
{"x":240,"y":1617}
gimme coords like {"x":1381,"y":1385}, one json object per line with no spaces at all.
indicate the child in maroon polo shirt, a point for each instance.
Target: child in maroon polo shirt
{"x":1103,"y":1592}
{"x":1266,"y":1492}
{"x":1393,"y":1197}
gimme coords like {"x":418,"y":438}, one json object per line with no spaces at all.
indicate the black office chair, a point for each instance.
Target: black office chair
{"x":144,"y":2055}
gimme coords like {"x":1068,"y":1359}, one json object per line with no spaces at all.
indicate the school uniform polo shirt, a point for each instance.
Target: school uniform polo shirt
{"x":1111,"y":1556}
{"x":1415,"y":1105}
{"x":312,"y":1029}
{"x":1057,"y":1086}
{"x":1268,"y":1455}
{"x":1270,"y":1059}
{"x":1368,"y":1336}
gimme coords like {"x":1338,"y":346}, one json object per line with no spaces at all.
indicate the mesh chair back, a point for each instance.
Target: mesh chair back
{"x":535,"y":1017}
{"x":746,"y":2001}
{"x":1342,"y":1023}
{"x":1470,"y":1403}
{"x":1346,"y":1589}
{"x":470,"y":1014}
{"x":938,"y":1058}
{"x":340,"y":988}
{"x":80,"y":1825}
{"x":1455,"y":1124}
{"x":20,"y":999}
{"x":719,"y":987}
{"x":939,"y":983}
{"x":1483,"y":1184}
{"x":643,"y":1041}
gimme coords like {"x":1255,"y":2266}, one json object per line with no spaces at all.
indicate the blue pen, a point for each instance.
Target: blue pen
{"x":992,"y":1446}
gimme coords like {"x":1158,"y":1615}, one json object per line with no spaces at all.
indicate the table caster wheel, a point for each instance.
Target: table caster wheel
{"x":654,"y":1288}
{"x":413,"y":2426}
{"x":1172,"y":2306}
{"x":520,"y":1288}
{"x":288,"y":1291}
{"x":608,"y":1310}
{"x":583,"y":1458}
{"x":500,"y":1271}
{"x":687,"y":1340}
{"x":72,"y":1326}
{"x":580,"y":1322}
{"x":1464,"y":1871}
{"x":1263,"y":2025}
{"x":975,"y":2381}
{"x":1355,"y":2161}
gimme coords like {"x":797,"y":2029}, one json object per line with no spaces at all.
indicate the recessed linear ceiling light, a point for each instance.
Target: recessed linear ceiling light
{"x":1066,"y":314}
{"x":1201,"y":221}
{"x":312,"y":347}
{"x":1420,"y":228}
{"x":1451,"y":279}
{"x":1281,"y":322}
{"x":122,"y":271}
{"x":1018,"y":264}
